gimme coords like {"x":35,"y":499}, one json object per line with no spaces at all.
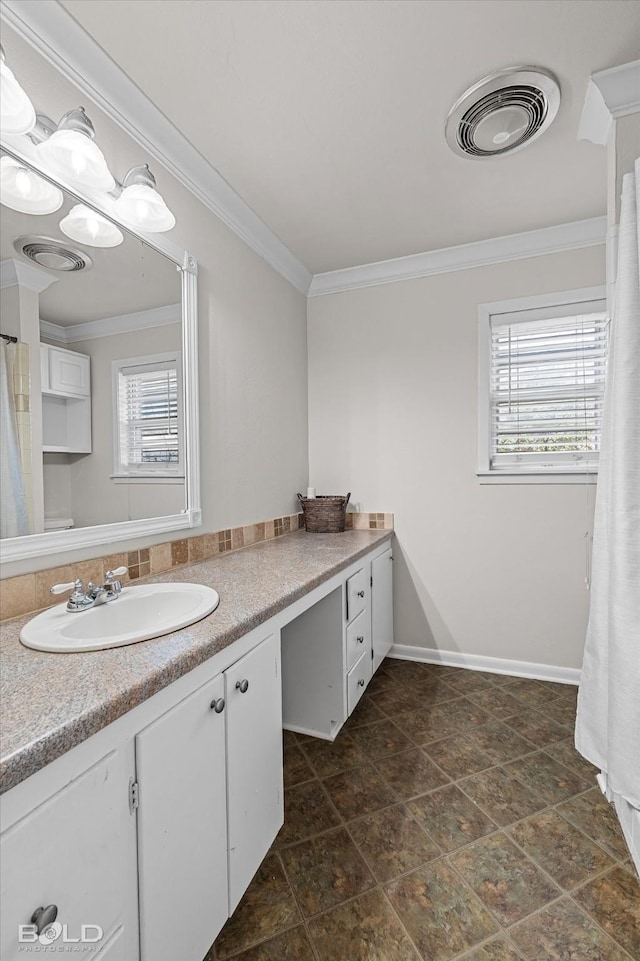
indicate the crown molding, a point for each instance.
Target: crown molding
{"x":610,"y":94}
{"x":497,"y":250}
{"x":15,"y":273}
{"x":111,"y":326}
{"x":48,"y":27}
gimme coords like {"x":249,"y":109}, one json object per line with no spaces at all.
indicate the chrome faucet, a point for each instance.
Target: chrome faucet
{"x":82,"y":600}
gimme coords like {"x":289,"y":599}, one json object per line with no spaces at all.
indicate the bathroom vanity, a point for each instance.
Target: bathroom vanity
{"x":143,"y":785}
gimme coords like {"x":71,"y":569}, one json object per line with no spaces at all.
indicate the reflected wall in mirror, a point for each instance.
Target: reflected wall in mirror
{"x":95,"y":381}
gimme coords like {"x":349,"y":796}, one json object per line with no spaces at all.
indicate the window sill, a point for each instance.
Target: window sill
{"x":147,"y":478}
{"x":548,"y":477}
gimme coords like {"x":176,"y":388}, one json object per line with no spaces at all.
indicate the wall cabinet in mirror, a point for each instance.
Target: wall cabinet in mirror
{"x":66,"y":401}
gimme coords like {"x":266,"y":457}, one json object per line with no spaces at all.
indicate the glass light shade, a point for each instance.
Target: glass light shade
{"x":17,"y":115}
{"x":23,"y":190}
{"x":75,"y":157}
{"x":142,"y":207}
{"x":87,"y":227}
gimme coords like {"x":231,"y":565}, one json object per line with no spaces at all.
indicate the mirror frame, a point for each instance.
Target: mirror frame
{"x":103,"y":535}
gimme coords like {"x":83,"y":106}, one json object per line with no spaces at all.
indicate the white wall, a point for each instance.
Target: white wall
{"x":487,"y":570}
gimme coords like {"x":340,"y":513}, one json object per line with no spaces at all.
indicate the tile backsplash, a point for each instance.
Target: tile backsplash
{"x":30,"y":592}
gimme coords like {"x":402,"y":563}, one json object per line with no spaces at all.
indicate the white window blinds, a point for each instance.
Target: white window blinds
{"x":546,"y":390}
{"x":149,"y":416}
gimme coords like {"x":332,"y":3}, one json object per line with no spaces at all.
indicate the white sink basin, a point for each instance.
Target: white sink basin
{"x":139,"y":614}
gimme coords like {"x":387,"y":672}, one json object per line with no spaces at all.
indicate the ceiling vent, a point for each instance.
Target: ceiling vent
{"x":503,"y":112}
{"x":50,"y":253}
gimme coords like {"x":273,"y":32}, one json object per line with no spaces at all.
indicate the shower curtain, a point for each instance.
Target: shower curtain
{"x":608,"y":721}
{"x":14,"y":517}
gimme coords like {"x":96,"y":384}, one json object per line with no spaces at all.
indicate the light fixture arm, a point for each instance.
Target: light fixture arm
{"x":78,"y":121}
{"x":140,"y":175}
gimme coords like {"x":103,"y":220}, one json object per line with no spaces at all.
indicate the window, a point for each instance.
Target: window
{"x":147,"y":422}
{"x":542,"y":371}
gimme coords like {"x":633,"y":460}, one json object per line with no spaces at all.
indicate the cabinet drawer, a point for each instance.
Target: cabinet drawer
{"x":357,"y":589}
{"x":357,"y":638}
{"x":357,"y":680}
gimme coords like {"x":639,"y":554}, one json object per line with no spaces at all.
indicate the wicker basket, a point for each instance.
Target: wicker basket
{"x":323,"y":514}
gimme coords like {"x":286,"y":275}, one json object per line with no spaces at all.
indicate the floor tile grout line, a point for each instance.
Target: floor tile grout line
{"x":602,"y":844}
{"x":299,"y":906}
{"x":593,"y":920}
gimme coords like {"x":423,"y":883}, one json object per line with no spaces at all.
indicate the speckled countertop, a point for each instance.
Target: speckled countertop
{"x":49,"y":703}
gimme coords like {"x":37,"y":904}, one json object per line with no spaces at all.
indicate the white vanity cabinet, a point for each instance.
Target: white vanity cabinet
{"x":149,"y":831}
{"x":331,"y":650}
{"x":65,"y":377}
{"x":75,"y":851}
{"x":209,"y":775}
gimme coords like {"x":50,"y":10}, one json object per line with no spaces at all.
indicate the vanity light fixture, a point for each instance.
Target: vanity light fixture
{"x":23,"y":190}
{"x":86,"y":226}
{"x":140,"y":205}
{"x":17,"y":115}
{"x":68,"y":151}
{"x":71,"y":153}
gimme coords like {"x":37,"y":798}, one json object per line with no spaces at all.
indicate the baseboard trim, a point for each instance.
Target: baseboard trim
{"x":494,"y":665}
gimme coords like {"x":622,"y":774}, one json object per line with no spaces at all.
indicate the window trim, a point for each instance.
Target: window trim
{"x":159,"y":474}
{"x":534,"y":474}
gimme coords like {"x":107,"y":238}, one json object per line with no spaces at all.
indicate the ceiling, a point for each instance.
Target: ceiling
{"x":327,"y":117}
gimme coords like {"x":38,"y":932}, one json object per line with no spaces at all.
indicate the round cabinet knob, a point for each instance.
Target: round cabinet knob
{"x":361,"y":682}
{"x":360,"y":639}
{"x":360,"y":593}
{"x":43,"y":917}
{"x":217,"y":705}
{"x":242,"y":686}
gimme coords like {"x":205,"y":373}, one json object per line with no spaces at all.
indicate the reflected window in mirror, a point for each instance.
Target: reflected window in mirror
{"x":147,"y":417}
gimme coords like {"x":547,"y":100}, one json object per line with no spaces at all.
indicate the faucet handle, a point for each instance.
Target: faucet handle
{"x":62,"y":588}
{"x":118,"y":572}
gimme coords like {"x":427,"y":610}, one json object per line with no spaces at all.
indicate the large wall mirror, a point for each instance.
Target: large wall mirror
{"x":99,"y":361}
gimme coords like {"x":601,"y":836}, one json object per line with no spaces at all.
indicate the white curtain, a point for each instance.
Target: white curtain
{"x":14,"y":518}
{"x":608,"y":722}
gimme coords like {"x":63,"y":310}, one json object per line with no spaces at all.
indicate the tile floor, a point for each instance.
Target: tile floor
{"x":451,"y":819}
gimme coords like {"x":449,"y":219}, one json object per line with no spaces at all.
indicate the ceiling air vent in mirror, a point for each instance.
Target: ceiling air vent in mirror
{"x":503,"y":112}
{"x":50,"y":253}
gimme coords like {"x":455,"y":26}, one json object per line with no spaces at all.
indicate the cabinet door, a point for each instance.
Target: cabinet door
{"x":68,"y":372}
{"x":76,"y":851}
{"x":182,"y":838}
{"x":382,"y":607}
{"x":254,"y":761}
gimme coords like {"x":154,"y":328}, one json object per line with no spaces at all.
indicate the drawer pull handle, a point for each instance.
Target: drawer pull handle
{"x":361,"y":682}
{"x":217,"y":705}
{"x":360,"y":594}
{"x":242,"y":686}
{"x":43,"y":917}
{"x":360,"y":639}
